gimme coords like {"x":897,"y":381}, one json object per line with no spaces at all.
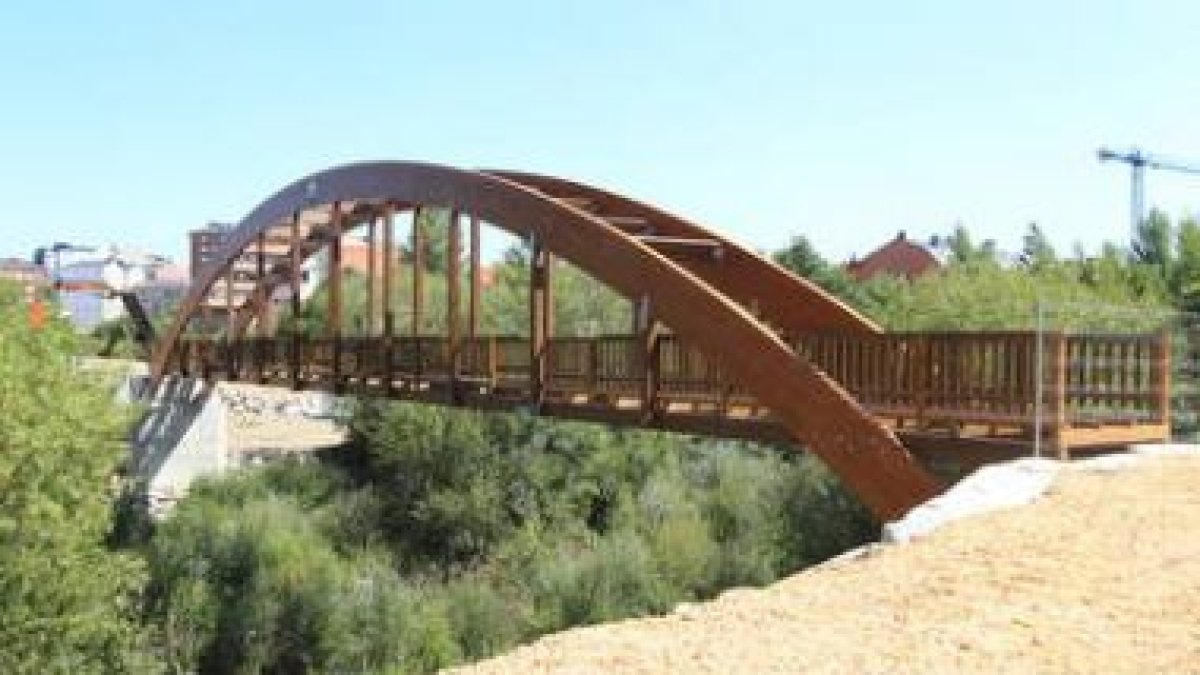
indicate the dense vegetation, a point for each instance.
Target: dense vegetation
{"x":66,"y":599}
{"x":440,"y":536}
{"x":444,"y":535}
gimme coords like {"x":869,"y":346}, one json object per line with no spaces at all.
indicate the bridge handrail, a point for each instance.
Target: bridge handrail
{"x":978,"y":377}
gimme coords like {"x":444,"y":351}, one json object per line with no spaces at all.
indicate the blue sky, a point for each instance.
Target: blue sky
{"x":132,"y":122}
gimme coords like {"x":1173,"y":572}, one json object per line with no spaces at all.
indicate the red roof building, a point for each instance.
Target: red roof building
{"x":898,"y":258}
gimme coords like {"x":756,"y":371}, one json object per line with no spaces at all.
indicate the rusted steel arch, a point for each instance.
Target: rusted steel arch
{"x":789,"y":303}
{"x":818,"y":412}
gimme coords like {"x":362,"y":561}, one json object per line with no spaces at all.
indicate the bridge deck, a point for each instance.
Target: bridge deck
{"x":933,"y":389}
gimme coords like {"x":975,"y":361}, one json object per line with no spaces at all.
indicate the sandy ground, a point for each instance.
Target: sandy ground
{"x":1102,"y":575}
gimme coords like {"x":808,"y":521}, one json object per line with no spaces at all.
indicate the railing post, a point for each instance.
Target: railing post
{"x":388,"y":351}
{"x":539,"y":320}
{"x":1057,"y":351}
{"x":651,"y":353}
{"x":922,"y":378}
{"x":1160,"y":374}
{"x":294,"y":343}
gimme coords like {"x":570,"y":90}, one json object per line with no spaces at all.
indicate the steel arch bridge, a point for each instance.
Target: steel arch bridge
{"x":723,"y":342}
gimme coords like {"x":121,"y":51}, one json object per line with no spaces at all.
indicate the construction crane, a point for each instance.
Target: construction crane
{"x":1138,"y":162}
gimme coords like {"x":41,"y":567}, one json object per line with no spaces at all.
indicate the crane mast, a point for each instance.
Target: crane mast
{"x":1138,"y":162}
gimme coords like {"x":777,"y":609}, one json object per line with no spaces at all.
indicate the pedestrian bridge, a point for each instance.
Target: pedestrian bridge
{"x":722,"y":342}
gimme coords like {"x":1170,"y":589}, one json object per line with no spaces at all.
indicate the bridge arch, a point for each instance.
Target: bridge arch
{"x":732,"y":305}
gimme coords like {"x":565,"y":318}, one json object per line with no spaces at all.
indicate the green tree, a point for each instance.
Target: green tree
{"x":803,"y":259}
{"x":67,"y":599}
{"x":1152,"y":243}
{"x":1037,"y":252}
{"x":1185,"y":282}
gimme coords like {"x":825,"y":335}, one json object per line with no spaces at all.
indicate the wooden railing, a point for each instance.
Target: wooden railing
{"x":915,"y":378}
{"x":992,"y":377}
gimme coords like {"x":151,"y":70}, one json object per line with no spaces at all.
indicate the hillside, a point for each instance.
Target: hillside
{"x":1102,"y":574}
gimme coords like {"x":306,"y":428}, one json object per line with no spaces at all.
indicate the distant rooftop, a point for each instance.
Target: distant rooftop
{"x":900,"y":257}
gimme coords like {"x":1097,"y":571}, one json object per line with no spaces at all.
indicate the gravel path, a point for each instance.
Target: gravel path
{"x":1102,"y":575}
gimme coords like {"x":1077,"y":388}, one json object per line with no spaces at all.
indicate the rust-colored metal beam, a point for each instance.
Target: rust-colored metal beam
{"x":705,"y":305}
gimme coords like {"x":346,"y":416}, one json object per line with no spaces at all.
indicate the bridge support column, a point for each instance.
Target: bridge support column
{"x":647,"y":330}
{"x":182,"y":436}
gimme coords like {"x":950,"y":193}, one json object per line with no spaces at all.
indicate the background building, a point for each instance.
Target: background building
{"x":85,"y":284}
{"x":23,"y":272}
{"x":900,"y":257}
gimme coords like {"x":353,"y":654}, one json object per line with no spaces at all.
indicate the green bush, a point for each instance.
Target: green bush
{"x":67,"y":602}
{"x":614,"y":578}
{"x":484,"y":620}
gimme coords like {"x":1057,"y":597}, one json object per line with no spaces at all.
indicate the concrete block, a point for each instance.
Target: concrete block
{"x":183,"y":436}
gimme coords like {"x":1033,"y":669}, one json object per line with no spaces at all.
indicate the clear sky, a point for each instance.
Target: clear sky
{"x":134,"y":121}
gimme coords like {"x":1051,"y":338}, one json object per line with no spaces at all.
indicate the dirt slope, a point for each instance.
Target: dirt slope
{"x":1100,"y":575}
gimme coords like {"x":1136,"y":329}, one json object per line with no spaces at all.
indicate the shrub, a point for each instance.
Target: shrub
{"x":484,"y":621}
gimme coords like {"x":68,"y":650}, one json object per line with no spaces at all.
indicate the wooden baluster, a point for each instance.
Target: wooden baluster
{"x":1058,"y":356}
{"x":539,"y":320}
{"x":1161,"y":377}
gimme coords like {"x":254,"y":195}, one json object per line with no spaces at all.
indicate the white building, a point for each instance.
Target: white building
{"x":85,"y":284}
